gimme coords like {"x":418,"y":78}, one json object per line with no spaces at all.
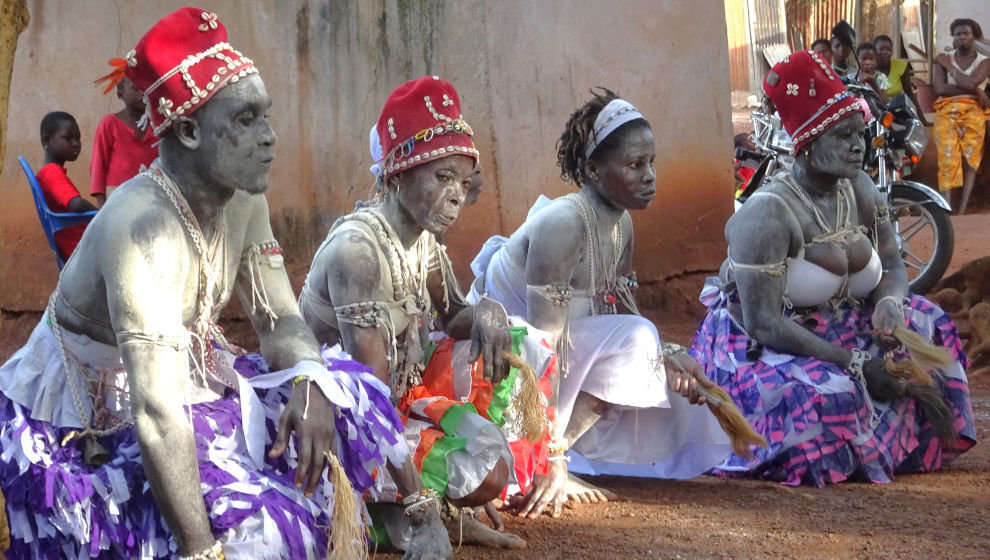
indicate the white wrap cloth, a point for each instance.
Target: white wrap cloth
{"x":647,"y":432}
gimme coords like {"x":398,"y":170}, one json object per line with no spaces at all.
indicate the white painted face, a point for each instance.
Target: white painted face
{"x":626,"y":176}
{"x":236,"y":137}
{"x":433,"y":194}
{"x":839,"y":150}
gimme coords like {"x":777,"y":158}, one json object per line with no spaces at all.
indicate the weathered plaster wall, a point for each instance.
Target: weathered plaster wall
{"x":520,"y":66}
{"x":948,"y":10}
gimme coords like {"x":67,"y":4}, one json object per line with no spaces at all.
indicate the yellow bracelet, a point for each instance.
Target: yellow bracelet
{"x":298,"y":379}
{"x":558,"y":445}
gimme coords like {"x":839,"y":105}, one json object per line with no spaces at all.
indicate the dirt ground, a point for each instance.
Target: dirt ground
{"x":939,"y":515}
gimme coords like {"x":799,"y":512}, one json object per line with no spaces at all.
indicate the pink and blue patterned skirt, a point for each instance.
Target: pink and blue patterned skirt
{"x":813,"y":414}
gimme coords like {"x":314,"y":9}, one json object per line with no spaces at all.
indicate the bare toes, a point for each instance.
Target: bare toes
{"x":514,"y":542}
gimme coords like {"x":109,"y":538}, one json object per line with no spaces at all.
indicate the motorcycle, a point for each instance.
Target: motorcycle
{"x":895,"y":143}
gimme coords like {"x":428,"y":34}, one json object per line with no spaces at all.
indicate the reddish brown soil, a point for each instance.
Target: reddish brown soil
{"x":939,"y":515}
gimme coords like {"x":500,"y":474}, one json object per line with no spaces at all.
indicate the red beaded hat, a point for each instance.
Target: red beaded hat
{"x":181,"y":62}
{"x":422,"y":121}
{"x":809,"y":96}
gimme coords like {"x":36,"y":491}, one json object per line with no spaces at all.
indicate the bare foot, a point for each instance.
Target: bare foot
{"x":583,"y":492}
{"x":468,"y":530}
{"x":429,"y":539}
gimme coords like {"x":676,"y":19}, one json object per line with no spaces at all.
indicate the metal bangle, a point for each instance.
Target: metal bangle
{"x":898,"y":301}
{"x":558,"y":444}
{"x":215,"y":552}
{"x":668,"y":349}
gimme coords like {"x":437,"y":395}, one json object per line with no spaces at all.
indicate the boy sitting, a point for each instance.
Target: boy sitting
{"x":60,"y":139}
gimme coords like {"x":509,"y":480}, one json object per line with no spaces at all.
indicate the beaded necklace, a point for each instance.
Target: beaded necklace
{"x":405,"y":280}
{"x":843,"y":207}
{"x":839,"y":234}
{"x":408,"y":280}
{"x":603,"y":256}
{"x":212,"y":274}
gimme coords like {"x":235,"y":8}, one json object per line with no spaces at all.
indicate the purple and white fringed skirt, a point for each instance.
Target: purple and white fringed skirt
{"x":59,"y":507}
{"x":813,"y":414}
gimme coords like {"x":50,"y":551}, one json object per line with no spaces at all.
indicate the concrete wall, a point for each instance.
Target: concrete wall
{"x":520,"y":66}
{"x":948,"y":10}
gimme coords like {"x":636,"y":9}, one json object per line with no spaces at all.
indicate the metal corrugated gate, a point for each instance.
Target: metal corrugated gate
{"x":815,"y":21}
{"x":737,"y":28}
{"x":767,"y":29}
{"x":753,"y":26}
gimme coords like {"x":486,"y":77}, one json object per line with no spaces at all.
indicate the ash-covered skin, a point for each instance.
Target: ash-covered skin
{"x":137,"y":270}
{"x":764,"y":233}
{"x":553,"y":246}
{"x":428,"y":197}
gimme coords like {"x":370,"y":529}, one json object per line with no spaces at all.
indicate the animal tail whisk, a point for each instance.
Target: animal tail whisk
{"x":733,"y":422}
{"x":924,"y":358}
{"x":529,"y":403}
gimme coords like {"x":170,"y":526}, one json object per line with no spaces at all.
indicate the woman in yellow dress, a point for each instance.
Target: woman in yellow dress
{"x":960,"y":78}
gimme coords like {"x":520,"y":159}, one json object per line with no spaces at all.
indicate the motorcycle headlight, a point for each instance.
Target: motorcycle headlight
{"x":916,"y":139}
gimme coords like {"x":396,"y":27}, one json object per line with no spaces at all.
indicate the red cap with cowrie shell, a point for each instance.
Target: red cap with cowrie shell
{"x":809,"y":96}
{"x":181,"y":62}
{"x":422,"y":122}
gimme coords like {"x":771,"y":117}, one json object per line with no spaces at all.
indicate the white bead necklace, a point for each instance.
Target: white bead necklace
{"x":212,"y":274}
{"x":603,"y":253}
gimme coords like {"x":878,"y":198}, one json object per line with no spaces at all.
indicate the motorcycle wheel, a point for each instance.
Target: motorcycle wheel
{"x":926,"y":237}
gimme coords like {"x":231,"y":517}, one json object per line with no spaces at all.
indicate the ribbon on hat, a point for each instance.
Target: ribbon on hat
{"x":376,"y":150}
{"x":617,"y":113}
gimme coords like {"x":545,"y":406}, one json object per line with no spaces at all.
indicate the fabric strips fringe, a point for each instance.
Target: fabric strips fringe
{"x":366,"y":423}
{"x":454,"y":421}
{"x":365,"y":419}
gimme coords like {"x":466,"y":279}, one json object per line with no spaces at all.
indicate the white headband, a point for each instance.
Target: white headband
{"x":376,"y":150}
{"x":617,"y":113}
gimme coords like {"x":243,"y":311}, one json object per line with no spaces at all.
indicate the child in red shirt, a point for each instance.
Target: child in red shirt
{"x":120,"y":147}
{"x":60,"y":138}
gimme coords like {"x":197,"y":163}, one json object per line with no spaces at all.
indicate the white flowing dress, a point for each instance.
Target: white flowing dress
{"x":649,"y":431}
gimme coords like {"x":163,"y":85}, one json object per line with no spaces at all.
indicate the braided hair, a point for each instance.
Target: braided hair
{"x":579,"y":130}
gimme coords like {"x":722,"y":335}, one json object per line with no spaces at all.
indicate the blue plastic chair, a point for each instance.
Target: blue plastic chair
{"x":52,"y":221}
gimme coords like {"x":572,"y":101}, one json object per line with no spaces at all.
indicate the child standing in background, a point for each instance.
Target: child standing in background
{"x":60,"y":139}
{"x":869,"y":74}
{"x":121,"y":147}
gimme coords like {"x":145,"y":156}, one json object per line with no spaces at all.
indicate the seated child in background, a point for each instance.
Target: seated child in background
{"x":744,"y":170}
{"x":60,"y":138}
{"x":121,"y":148}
